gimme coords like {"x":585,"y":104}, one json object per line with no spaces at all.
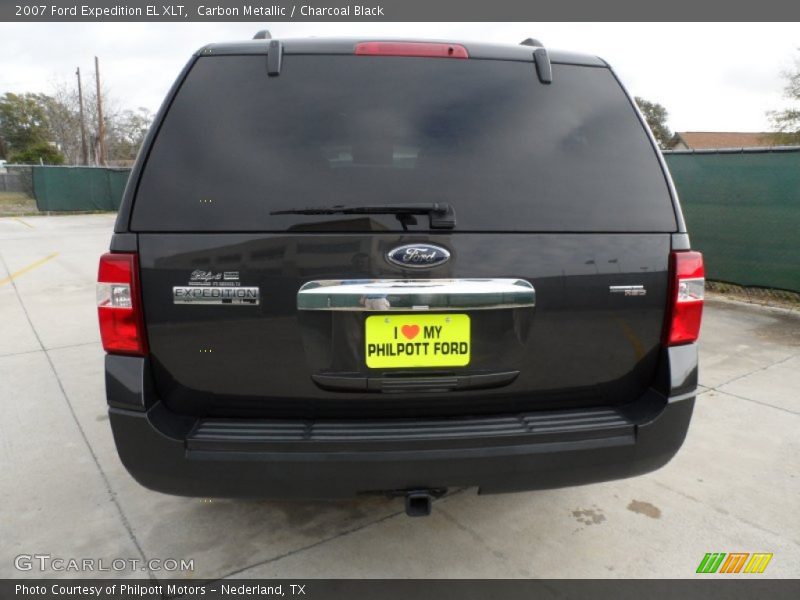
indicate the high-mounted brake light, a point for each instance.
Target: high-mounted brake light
{"x":119,"y":305}
{"x":685,"y":306}
{"x":425,"y":49}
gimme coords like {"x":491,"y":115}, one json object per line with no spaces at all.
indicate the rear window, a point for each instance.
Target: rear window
{"x":507,"y":152}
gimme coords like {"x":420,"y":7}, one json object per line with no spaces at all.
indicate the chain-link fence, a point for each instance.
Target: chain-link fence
{"x":79,"y":188}
{"x":32,"y":188}
{"x":742,"y":209}
{"x":16,"y":179}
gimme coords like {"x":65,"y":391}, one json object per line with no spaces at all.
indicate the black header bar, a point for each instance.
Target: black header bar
{"x":741,"y":588}
{"x":399,"y":10}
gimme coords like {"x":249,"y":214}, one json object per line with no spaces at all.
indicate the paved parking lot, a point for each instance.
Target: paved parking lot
{"x":734,"y":487}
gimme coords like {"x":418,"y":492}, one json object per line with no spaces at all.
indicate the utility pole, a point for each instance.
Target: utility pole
{"x":101,"y":126}
{"x":84,"y":145}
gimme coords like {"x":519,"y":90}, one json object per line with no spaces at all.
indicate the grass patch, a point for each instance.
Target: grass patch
{"x":15,"y":204}
{"x":755,"y":295}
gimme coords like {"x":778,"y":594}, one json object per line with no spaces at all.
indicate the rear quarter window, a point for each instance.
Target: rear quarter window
{"x":507,"y":152}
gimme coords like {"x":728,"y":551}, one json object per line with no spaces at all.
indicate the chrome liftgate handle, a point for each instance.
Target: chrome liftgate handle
{"x":382,"y":295}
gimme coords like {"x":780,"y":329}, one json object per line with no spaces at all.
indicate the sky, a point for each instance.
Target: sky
{"x":709,"y":76}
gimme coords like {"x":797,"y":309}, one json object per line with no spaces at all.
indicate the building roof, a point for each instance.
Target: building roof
{"x":714,"y":140}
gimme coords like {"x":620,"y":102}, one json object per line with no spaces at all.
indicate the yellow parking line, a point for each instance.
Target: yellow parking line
{"x":30,"y":267}
{"x":24,"y":223}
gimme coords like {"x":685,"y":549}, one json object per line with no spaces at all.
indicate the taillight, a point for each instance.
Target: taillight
{"x":425,"y":49}
{"x":685,"y":307}
{"x":119,"y":305}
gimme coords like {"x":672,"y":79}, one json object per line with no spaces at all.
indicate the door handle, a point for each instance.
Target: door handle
{"x":380,"y":295}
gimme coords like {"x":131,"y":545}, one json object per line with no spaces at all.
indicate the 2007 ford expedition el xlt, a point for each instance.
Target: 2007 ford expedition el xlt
{"x":365,"y":266}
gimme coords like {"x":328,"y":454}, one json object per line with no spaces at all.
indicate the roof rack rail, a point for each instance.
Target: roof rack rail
{"x":264,"y":34}
{"x":531,"y":42}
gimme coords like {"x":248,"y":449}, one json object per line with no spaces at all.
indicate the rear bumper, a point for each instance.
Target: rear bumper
{"x":258,"y":468}
{"x":299,"y":459}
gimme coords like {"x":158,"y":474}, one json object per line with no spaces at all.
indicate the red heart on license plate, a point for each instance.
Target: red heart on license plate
{"x":410,"y":331}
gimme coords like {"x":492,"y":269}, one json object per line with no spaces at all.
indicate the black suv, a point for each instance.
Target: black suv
{"x":357,"y":266}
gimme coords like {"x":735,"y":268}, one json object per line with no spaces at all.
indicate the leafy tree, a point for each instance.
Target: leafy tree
{"x":49,"y":126}
{"x":30,"y":124}
{"x":786,"y":123}
{"x":23,"y":121}
{"x":656,"y":116}
{"x":42,"y":151}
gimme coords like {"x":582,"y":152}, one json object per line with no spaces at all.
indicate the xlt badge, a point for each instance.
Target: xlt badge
{"x":628,"y":290}
{"x":418,"y":256}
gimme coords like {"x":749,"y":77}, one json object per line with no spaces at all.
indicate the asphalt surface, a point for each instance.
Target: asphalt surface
{"x":734,"y":486}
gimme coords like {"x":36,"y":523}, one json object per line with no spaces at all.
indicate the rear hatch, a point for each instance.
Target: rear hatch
{"x":556,"y":264}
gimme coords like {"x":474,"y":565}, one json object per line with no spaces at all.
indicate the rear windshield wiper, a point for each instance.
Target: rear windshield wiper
{"x":440,"y":214}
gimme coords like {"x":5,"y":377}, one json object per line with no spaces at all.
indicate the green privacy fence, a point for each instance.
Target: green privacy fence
{"x":78,"y":188}
{"x":742,"y":210}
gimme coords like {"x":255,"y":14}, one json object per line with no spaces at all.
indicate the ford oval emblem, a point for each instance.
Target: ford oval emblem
{"x":418,"y":256}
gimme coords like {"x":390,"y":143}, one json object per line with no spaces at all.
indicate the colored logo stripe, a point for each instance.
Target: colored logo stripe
{"x":711,"y":562}
{"x":734,"y":562}
{"x":758,"y":562}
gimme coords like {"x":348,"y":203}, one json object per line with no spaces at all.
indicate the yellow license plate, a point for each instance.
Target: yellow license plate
{"x":395,"y":341}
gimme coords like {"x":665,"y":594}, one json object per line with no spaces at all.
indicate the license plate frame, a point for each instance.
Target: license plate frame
{"x":407,"y":341}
